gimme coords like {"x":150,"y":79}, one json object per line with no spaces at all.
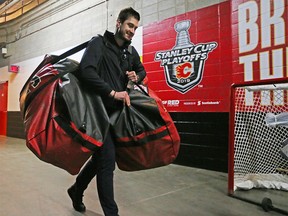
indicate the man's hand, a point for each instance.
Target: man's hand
{"x":121,"y":96}
{"x":132,"y":76}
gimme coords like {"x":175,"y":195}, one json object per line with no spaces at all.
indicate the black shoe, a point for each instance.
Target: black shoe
{"x":76,"y":197}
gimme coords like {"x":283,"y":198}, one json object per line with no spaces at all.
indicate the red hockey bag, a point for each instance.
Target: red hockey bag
{"x":64,"y":125}
{"x":145,"y":134}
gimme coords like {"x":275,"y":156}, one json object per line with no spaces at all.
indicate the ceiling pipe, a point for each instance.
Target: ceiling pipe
{"x":10,"y":4}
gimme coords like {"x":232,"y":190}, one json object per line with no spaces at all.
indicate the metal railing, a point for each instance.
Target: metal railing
{"x":12,"y":9}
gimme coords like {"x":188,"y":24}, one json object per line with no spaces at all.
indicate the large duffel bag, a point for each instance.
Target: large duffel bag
{"x":61,"y":125}
{"x":145,"y":134}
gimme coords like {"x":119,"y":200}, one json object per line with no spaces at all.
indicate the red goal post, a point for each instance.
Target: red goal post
{"x":256,"y":137}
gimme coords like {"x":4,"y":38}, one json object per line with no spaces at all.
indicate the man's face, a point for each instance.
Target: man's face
{"x":127,"y":28}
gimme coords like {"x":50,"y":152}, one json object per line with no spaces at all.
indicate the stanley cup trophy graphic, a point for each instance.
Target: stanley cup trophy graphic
{"x":184,"y":63}
{"x":183,"y":38}
{"x":188,"y":70}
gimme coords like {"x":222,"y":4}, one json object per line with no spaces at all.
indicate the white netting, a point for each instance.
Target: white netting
{"x":259,"y":138}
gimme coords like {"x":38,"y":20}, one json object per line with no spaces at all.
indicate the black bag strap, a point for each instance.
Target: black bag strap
{"x":74,"y":135}
{"x":50,"y":60}
{"x":72,"y":51}
{"x":54,"y":59}
{"x":135,"y":83}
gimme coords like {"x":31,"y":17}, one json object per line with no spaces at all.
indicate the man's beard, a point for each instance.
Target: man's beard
{"x":120,"y":34}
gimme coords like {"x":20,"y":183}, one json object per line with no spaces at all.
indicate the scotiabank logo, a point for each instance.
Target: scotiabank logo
{"x":184,"y":64}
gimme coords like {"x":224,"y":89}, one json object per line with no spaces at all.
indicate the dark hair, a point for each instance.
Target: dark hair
{"x":128,"y":12}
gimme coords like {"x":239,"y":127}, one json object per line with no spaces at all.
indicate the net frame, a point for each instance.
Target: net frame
{"x":236,"y":172}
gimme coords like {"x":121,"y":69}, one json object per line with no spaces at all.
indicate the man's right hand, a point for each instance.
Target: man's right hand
{"x":122,"y":96}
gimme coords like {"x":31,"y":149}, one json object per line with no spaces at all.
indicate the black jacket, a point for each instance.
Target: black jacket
{"x":104,"y":64}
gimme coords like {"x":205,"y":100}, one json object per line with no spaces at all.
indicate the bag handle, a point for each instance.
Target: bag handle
{"x":131,"y":83}
{"x":52,"y":59}
{"x":55,"y":59}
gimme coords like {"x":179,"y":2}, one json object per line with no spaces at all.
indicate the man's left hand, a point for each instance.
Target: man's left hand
{"x":132,"y":76}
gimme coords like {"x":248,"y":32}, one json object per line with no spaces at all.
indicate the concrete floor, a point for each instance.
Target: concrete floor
{"x":30,"y":187}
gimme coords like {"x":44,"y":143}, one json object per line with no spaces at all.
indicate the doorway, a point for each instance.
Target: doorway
{"x":3,"y":107}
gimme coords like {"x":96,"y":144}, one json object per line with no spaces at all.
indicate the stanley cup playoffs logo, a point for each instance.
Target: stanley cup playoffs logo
{"x":183,"y":65}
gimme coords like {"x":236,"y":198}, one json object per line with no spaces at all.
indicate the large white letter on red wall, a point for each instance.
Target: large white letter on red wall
{"x":272,"y":18}
{"x":248,"y":28}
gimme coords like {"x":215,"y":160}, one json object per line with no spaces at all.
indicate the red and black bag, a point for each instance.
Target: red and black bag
{"x":145,"y":134}
{"x":64,"y":124}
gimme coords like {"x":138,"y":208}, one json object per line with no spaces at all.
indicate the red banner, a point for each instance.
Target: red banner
{"x":192,"y":59}
{"x":188,"y":59}
{"x":259,"y":40}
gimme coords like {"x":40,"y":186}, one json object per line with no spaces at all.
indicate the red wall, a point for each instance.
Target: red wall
{"x":251,"y":38}
{"x":259,"y":36}
{"x":205,"y":80}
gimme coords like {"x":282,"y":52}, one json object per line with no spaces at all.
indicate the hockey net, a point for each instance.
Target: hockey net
{"x":258,"y":143}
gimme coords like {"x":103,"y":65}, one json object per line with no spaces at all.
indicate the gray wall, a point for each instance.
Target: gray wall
{"x":57,"y":24}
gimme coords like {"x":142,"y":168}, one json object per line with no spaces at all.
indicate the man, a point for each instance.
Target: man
{"x":107,"y":65}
